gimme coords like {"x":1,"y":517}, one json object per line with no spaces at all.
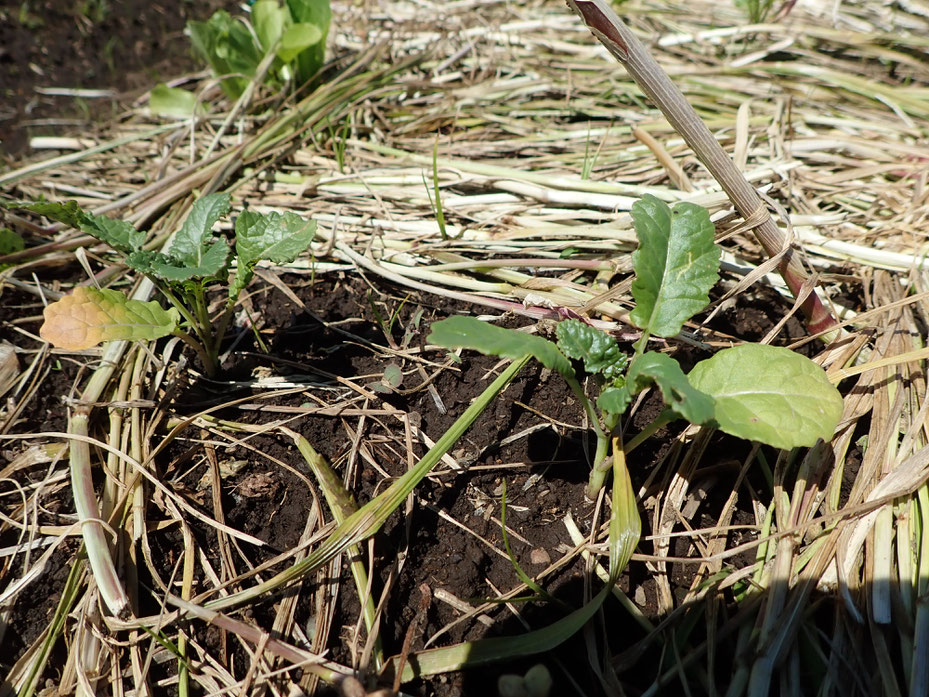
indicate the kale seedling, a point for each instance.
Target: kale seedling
{"x":295,"y":33}
{"x":753,"y":391}
{"x":196,"y":259}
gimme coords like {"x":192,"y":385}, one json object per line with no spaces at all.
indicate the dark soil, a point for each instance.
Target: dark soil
{"x":125,"y":46}
{"x":271,"y":502}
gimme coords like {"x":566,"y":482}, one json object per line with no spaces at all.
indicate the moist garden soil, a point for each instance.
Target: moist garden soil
{"x":450,"y":543}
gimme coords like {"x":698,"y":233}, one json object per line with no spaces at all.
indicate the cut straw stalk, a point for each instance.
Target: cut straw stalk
{"x":655,"y":83}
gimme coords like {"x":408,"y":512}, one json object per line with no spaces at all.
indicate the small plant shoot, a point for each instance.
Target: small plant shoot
{"x":196,"y":259}
{"x":294,"y":33}
{"x":758,"y":392}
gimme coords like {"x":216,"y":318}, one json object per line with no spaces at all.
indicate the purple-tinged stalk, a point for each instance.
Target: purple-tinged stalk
{"x":655,"y":83}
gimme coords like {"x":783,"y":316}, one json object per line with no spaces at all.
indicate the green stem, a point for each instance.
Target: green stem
{"x":663,"y":419}
{"x":208,"y":360}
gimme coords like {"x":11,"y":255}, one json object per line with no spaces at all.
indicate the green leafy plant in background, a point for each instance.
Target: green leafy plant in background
{"x":757,"y":10}
{"x":753,"y":391}
{"x":292,"y":35}
{"x":196,"y":258}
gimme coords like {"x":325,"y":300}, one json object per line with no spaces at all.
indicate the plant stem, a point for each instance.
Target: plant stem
{"x":205,"y":357}
{"x":663,"y":419}
{"x":655,"y":83}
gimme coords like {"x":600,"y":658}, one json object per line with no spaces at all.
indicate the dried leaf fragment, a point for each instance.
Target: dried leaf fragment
{"x":90,"y":316}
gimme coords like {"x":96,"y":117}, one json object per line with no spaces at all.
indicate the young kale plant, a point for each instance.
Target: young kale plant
{"x":757,"y":392}
{"x":293,"y":33}
{"x":196,"y":259}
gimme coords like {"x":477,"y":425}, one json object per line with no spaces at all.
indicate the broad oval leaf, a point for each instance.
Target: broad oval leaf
{"x":491,"y":340}
{"x":598,"y":350}
{"x":682,"y":396}
{"x":90,"y":316}
{"x":676,"y":264}
{"x":770,"y":394}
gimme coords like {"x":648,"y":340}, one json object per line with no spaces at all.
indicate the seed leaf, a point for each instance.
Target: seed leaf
{"x":598,"y":350}
{"x":682,"y":396}
{"x":676,"y":264}
{"x":119,"y":234}
{"x":469,"y":332}
{"x":770,"y":394}
{"x":90,"y":316}
{"x":272,"y":237}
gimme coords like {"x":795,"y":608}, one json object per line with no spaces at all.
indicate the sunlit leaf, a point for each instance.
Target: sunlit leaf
{"x":193,"y":241}
{"x":90,"y":316}
{"x":599,"y":351}
{"x":272,"y":237}
{"x":770,"y":394}
{"x":676,"y":264}
{"x":684,"y":398}
{"x":469,"y":332}
{"x":119,"y":234}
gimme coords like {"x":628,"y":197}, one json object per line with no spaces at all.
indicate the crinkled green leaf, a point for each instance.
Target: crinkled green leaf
{"x":119,"y":234}
{"x":193,"y":240}
{"x":614,"y":400}
{"x":273,"y":237}
{"x":89,"y":316}
{"x":599,"y":351}
{"x":469,"y":332}
{"x":173,"y":102}
{"x":770,"y":394}
{"x":679,"y":394}
{"x":212,"y":262}
{"x":676,"y":264}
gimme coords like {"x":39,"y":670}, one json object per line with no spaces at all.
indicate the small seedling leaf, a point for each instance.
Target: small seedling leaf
{"x":192,"y":241}
{"x":682,"y":396}
{"x":173,"y":102}
{"x":469,"y":332}
{"x":119,"y":234}
{"x":393,"y":376}
{"x":770,"y":394}
{"x":676,"y":264}
{"x":273,"y":237}
{"x":89,"y":316}
{"x":598,"y":350}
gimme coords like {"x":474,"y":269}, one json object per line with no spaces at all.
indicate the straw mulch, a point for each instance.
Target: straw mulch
{"x":540,"y":144}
